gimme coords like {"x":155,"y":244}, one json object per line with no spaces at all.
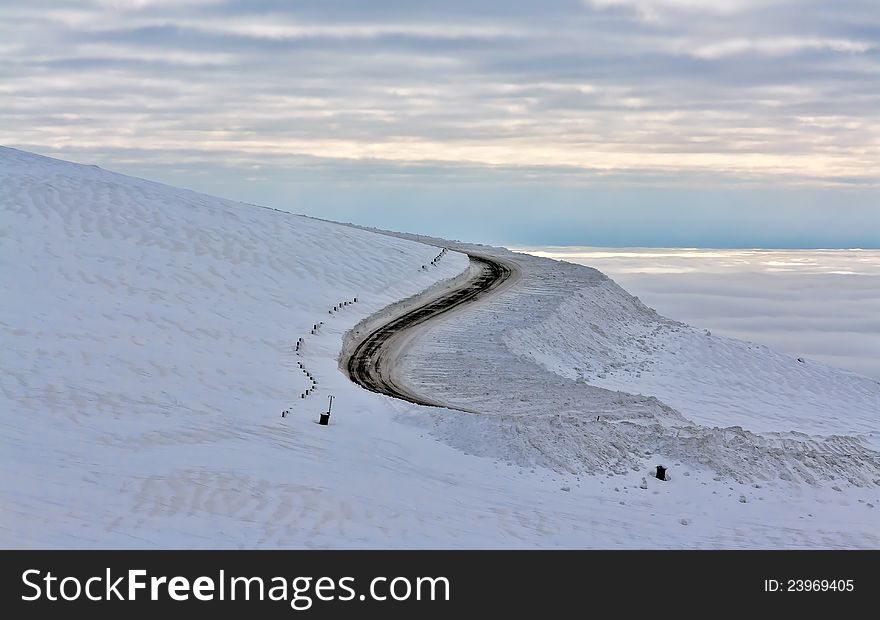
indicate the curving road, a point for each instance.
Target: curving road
{"x":371,"y":364}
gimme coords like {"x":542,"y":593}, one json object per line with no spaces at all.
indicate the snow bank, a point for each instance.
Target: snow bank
{"x":610,"y":339}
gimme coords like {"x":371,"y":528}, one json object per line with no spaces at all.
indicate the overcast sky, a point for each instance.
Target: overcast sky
{"x":722,"y":123}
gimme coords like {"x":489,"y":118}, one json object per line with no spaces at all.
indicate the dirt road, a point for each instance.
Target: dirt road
{"x":372,"y":362}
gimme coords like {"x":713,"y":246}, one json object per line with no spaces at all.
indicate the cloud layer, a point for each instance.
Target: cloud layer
{"x":786,"y":88}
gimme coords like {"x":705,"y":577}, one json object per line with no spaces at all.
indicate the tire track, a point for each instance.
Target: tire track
{"x":371,"y":365}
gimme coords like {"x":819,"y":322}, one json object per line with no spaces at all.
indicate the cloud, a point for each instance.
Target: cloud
{"x":777,"y":47}
{"x":655,"y":9}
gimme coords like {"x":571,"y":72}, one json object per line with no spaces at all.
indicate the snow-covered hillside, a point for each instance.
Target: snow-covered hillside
{"x":608,"y":338}
{"x":149,"y":348}
{"x":573,"y":374}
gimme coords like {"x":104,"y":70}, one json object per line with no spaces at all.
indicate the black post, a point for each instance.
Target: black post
{"x":661,"y":472}
{"x":324,"y":420}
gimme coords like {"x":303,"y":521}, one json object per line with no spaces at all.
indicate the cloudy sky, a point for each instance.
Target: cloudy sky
{"x":723,"y":123}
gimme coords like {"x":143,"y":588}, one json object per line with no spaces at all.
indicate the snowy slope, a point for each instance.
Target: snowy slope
{"x":611,"y":340}
{"x":144,"y":324}
{"x":573,"y":374}
{"x":149,"y":348}
{"x":568,"y":364}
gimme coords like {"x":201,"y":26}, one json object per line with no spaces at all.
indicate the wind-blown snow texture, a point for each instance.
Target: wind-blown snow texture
{"x":149,"y":350}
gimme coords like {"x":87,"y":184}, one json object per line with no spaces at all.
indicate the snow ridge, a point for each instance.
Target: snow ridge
{"x":577,"y":389}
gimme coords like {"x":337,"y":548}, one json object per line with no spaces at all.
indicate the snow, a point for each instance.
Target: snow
{"x":614,"y":342}
{"x":149,"y":349}
{"x":572,"y":374}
